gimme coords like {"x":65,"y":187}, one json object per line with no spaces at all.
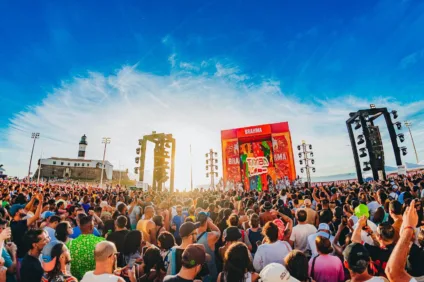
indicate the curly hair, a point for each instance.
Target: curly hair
{"x":236,"y":261}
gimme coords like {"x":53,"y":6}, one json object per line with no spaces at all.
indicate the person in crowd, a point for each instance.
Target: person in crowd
{"x":19,"y":223}
{"x":416,"y":256}
{"x":132,"y":249}
{"x":63,"y":232}
{"x":208,"y":239}
{"x":324,"y":231}
{"x":8,"y":254}
{"x":356,"y":260}
{"x":122,"y":210}
{"x":134,"y":212}
{"x":188,"y":232}
{"x":395,"y":211}
{"x":253,"y":236}
{"x":273,"y":250}
{"x":238,"y":264}
{"x":147,"y":226}
{"x":311,"y":214}
{"x":152,"y":268}
{"x":193,"y":258}
{"x":82,"y":248}
{"x":56,"y":257}
{"x":232,"y":236}
{"x":31,"y":269}
{"x":176,"y":222}
{"x":267,"y":215}
{"x":158,"y":220}
{"x":77,"y":229}
{"x":50,"y":228}
{"x":105,"y":261}
{"x":324,"y":267}
{"x":165,"y":243}
{"x":276,"y":272}
{"x":118,"y":237}
{"x":296,"y":263}
{"x":301,"y":232}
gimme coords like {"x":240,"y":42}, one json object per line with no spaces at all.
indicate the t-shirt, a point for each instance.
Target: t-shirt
{"x":77,"y":232}
{"x":414,"y":263}
{"x":364,"y":235}
{"x":82,"y":254}
{"x":377,"y":279}
{"x":51,"y":232}
{"x":177,"y":220}
{"x":311,"y":241}
{"x":175,"y":278}
{"x":380,"y":256}
{"x":372,"y":207}
{"x":31,"y":270}
{"x":133,"y":215}
{"x":327,"y":268}
{"x":59,"y":278}
{"x":19,"y":228}
{"x":300,"y":236}
{"x":91,"y":277}
{"x":10,"y":277}
{"x":268,"y":253}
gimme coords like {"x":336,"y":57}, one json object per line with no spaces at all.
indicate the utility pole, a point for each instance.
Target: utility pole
{"x":408,"y":125}
{"x":35,"y":136}
{"x":211,"y":167}
{"x":306,"y":159}
{"x":191,"y":172}
{"x":105,"y":140}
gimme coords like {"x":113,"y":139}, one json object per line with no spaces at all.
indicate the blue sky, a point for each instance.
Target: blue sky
{"x":330,"y":57}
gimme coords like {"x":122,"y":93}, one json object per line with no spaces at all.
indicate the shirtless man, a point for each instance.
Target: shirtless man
{"x":147,"y":226}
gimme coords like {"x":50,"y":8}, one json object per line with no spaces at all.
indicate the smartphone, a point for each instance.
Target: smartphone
{"x":366,"y":225}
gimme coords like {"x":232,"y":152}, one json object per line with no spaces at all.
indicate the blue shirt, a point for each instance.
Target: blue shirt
{"x":7,"y":263}
{"x":77,"y":232}
{"x":177,"y":220}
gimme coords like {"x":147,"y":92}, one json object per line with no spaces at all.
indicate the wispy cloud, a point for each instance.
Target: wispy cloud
{"x":193,"y":106}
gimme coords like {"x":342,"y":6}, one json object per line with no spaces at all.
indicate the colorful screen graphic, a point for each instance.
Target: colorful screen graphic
{"x":258,"y":156}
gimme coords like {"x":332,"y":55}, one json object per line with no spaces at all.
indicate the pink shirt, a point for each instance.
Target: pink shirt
{"x":328,"y":268}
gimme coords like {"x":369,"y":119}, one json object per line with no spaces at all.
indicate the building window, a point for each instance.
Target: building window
{"x":75,"y":164}
{"x":54,"y":162}
{"x":82,"y":164}
{"x":69,"y":163}
{"x":61,"y":163}
{"x":88,"y":164}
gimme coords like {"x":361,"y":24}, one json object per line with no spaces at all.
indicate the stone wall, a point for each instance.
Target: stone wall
{"x":82,"y":173}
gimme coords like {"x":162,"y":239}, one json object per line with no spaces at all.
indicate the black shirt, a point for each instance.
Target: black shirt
{"x":175,"y":278}
{"x":31,"y":270}
{"x":118,"y":238}
{"x":415,"y":260}
{"x":380,"y":256}
{"x":19,"y":228}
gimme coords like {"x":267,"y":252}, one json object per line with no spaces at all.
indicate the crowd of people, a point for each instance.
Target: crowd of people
{"x":351,"y":232}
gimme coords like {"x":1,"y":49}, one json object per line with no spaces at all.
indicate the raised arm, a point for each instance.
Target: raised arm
{"x":37,"y":214}
{"x":356,"y":236}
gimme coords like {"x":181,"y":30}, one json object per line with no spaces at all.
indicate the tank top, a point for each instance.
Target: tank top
{"x":255,"y":236}
{"x":91,"y":277}
{"x":213,"y":272}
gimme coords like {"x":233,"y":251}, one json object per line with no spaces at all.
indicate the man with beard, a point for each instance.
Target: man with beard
{"x":31,"y":270}
{"x":56,"y":257}
{"x":20,"y":226}
{"x":105,"y":257}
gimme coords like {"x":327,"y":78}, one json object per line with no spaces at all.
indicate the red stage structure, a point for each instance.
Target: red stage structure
{"x":258,"y":156}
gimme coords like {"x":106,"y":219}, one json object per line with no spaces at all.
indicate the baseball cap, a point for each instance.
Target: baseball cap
{"x":354,"y":253}
{"x":323,"y":227}
{"x":362,"y":210}
{"x":232,"y":234}
{"x":49,"y":262}
{"x":202,"y":216}
{"x":47,"y":214}
{"x":15,"y":208}
{"x":194,"y":255}
{"x":267,"y":205}
{"x":275,"y":272}
{"x":187,"y":227}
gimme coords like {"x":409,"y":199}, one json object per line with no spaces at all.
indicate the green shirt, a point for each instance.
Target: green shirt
{"x":82,"y":254}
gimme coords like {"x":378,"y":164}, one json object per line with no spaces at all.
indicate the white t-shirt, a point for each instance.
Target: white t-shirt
{"x":377,"y":279}
{"x":311,"y":241}
{"x":395,"y":196}
{"x":268,"y":253}
{"x":300,"y":236}
{"x":364,"y":235}
{"x":91,"y":277}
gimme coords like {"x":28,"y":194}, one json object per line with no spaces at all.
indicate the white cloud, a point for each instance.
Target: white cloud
{"x":194,"y":107}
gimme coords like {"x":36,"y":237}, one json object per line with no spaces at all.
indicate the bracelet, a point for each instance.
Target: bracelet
{"x":409,"y":227}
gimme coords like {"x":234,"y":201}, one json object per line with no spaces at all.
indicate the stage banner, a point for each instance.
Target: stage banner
{"x":283,"y":156}
{"x":231,"y":160}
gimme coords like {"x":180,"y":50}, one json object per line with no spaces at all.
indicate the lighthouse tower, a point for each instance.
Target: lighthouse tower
{"x":82,"y":145}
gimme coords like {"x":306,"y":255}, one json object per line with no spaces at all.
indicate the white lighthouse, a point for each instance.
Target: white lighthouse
{"x":82,"y":145}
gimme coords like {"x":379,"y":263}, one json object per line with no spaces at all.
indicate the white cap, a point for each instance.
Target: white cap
{"x":323,"y":226}
{"x":275,"y":272}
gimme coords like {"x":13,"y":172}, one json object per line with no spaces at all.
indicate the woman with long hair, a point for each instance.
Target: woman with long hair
{"x":238,"y":265}
{"x":253,"y":236}
{"x":297,"y":264}
{"x":132,"y":248}
{"x":325,"y":267}
{"x":63,"y":231}
{"x":59,"y":257}
{"x":153,"y":268}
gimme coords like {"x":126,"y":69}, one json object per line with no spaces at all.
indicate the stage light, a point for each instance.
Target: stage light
{"x":394,"y":113}
{"x":313,"y":170}
{"x":363,"y":154}
{"x":312,"y":154}
{"x":358,"y":124}
{"x":372,"y":106}
{"x":207,"y":174}
{"x":301,"y":162}
{"x":312,"y":161}
{"x":399,"y":125}
{"x":207,"y":161}
{"x":300,"y":155}
{"x":206,"y":155}
{"x":137,"y":151}
{"x":301,"y":170}
{"x":137,"y":160}
{"x":310,"y":147}
{"x":216,"y":161}
{"x":136,"y":170}
{"x":367,"y":166}
{"x":404,"y":151}
{"x":207,"y":167}
{"x":361,"y":139}
{"x":298,"y":147}
{"x":401,"y":137}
